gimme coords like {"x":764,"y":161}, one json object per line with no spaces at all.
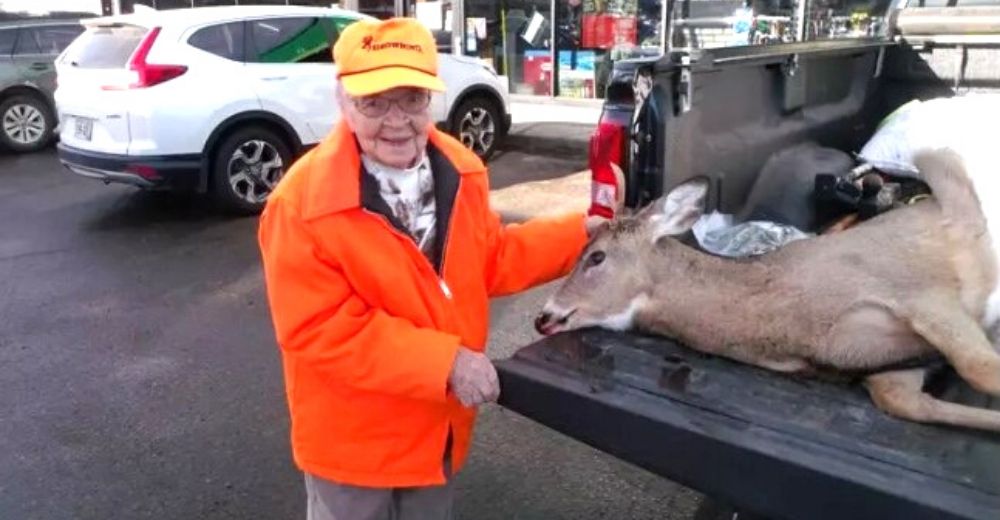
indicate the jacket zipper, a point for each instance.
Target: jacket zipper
{"x":444,"y":240}
{"x":442,"y":285}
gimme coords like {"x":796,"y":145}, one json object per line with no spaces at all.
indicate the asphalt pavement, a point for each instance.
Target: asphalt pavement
{"x":140,"y":378}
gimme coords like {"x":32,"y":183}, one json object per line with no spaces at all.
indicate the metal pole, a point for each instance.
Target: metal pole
{"x":801,"y":15}
{"x":457,"y":26}
{"x":503,"y":38}
{"x":666,"y":20}
{"x":553,"y":51}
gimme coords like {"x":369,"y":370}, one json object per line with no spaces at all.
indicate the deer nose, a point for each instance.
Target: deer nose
{"x":549,"y":322}
{"x":542,"y":321}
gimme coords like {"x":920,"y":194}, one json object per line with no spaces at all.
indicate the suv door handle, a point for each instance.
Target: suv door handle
{"x":39,"y":66}
{"x":275,"y":78}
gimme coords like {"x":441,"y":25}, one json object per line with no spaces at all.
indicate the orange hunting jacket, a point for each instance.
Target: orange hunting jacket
{"x":368,"y":326}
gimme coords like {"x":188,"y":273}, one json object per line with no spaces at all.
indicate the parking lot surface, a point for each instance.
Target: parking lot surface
{"x":140,"y":378}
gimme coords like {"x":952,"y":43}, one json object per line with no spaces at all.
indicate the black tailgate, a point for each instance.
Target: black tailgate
{"x":775,"y":445}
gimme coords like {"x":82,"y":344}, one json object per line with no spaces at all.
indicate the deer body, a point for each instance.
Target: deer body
{"x":904,"y":285}
{"x":770,"y":307}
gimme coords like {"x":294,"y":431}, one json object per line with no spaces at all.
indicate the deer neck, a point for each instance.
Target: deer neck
{"x":702,"y":298}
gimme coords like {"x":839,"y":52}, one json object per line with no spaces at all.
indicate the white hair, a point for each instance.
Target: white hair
{"x":339,"y":92}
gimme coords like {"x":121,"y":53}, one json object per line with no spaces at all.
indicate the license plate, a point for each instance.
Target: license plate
{"x":84,"y":128}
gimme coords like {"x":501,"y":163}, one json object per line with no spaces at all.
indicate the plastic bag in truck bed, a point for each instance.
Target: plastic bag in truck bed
{"x":967,"y":124}
{"x":717,"y":234}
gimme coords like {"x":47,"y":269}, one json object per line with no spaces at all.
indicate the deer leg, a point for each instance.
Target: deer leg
{"x":900,"y":393}
{"x":963,"y":343}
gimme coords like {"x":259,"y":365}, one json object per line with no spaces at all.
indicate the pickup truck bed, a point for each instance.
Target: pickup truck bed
{"x":770,"y":444}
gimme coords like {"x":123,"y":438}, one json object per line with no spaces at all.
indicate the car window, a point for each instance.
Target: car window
{"x":49,"y":40}
{"x":292,"y":40}
{"x":27,"y":42}
{"x":224,"y":40}
{"x":7,"y":39}
{"x":105,"y":47}
{"x":54,"y":39}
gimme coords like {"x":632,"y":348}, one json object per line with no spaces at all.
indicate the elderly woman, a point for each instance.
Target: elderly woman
{"x":380,"y":254}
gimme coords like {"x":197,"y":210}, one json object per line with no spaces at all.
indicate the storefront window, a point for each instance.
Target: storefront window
{"x":713,"y":23}
{"x":381,"y":9}
{"x":705,"y":24}
{"x":529,"y":48}
{"x":514,"y":36}
{"x":127,"y":6}
{"x":835,"y":19}
{"x":563,"y":48}
{"x":437,"y":16}
{"x":584,"y":35}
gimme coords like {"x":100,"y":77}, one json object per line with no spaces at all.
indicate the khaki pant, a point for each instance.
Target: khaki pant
{"x":332,"y":501}
{"x":327,"y":500}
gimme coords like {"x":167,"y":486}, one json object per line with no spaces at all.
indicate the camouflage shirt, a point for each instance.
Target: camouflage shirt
{"x":409,"y":194}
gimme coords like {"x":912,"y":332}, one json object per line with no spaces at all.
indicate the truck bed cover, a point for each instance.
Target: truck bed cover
{"x":772,"y":444}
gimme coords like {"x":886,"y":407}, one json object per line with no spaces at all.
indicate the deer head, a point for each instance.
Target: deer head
{"x":612,"y":279}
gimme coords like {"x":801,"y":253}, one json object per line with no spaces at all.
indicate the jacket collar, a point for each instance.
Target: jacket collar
{"x":334,"y":183}
{"x":445,"y":190}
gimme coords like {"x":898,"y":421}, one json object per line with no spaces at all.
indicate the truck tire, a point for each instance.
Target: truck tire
{"x":247,"y":165}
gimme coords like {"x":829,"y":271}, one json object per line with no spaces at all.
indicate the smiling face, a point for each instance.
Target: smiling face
{"x":392,"y":127}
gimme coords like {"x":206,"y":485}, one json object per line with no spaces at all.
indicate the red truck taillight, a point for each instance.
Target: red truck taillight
{"x":606,"y":147}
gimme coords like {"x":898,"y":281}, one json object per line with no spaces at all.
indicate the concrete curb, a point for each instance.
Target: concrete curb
{"x":530,"y":99}
{"x":567,"y":194}
{"x":549,"y":139}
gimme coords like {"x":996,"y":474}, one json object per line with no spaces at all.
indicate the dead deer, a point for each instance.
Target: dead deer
{"x":903,"y":285}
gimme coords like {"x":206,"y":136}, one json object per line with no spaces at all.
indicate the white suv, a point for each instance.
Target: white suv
{"x":222,"y":99}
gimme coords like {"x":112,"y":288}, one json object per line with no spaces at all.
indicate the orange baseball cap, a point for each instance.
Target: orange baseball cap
{"x":373,"y":56}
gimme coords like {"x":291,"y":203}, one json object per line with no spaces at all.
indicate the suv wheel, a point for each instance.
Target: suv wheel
{"x":246,"y":167}
{"x":476,"y":122}
{"x":25,"y":123}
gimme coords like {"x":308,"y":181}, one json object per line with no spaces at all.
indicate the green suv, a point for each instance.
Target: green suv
{"x":28,"y":78}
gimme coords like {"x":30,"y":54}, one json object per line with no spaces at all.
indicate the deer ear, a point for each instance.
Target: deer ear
{"x":676,"y":212}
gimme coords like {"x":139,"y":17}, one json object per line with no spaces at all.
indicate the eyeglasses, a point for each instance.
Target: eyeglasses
{"x":412,"y":102}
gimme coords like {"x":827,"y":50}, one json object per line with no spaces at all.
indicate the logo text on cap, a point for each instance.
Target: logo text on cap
{"x":368,"y":44}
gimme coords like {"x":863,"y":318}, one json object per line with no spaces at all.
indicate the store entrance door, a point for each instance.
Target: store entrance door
{"x":528,"y":51}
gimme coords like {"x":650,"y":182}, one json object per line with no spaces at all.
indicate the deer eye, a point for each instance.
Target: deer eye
{"x":595,"y":258}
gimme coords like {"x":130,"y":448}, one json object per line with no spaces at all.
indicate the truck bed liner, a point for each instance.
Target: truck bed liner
{"x":776,"y":445}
